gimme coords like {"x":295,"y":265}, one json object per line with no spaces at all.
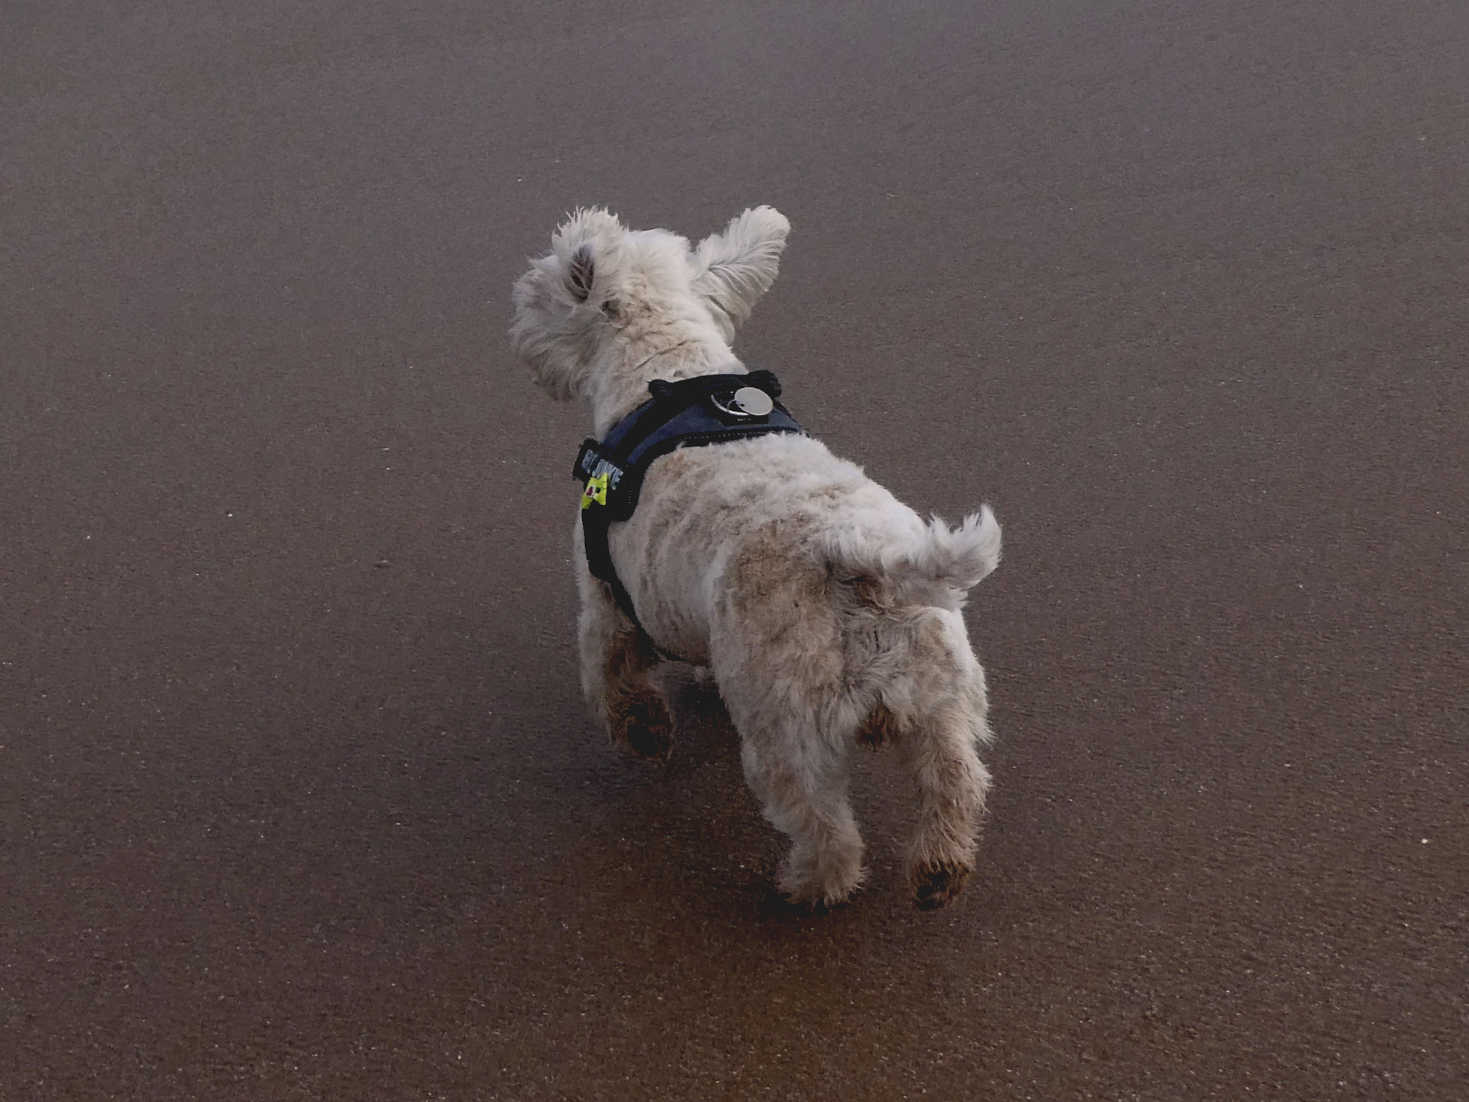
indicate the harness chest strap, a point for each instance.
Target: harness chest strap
{"x":688,"y":413}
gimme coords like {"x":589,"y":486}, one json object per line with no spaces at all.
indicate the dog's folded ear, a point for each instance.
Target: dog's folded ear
{"x":737,"y":266}
{"x":579,"y":273}
{"x":586,"y":245}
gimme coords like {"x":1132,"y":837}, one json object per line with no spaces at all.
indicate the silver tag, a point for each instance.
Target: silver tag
{"x":752,"y":401}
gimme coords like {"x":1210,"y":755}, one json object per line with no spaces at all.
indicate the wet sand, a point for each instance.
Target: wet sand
{"x":298,"y":797}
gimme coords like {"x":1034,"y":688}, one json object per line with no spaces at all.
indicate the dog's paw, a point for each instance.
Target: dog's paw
{"x":815,"y":892}
{"x":642,"y":725}
{"x":778,"y":904}
{"x":937,"y":883}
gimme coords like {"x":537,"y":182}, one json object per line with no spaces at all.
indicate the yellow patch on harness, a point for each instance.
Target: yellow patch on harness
{"x":596,"y":490}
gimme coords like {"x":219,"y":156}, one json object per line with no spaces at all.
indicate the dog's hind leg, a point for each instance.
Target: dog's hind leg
{"x":776,"y":653}
{"x":952,"y":783}
{"x":804,"y":796}
{"x":940,"y":727}
{"x":616,"y":661}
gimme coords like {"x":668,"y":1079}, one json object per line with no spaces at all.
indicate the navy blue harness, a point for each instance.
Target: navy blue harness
{"x":688,"y":413}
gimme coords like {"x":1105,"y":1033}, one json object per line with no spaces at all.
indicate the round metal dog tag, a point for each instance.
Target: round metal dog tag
{"x":753,"y":401}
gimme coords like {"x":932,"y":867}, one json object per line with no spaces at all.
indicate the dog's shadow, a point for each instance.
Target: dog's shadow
{"x":700,"y":719}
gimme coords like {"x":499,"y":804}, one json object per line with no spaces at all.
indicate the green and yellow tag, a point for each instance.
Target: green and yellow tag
{"x":596,"y":490}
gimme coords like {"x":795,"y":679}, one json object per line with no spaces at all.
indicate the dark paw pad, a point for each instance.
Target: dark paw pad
{"x":937,"y":884}
{"x":644,"y":727}
{"x":649,"y":742}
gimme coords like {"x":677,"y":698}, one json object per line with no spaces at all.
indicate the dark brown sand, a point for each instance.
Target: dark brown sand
{"x":297,"y":799}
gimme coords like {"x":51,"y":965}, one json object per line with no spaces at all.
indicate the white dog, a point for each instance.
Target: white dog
{"x":826,"y":610}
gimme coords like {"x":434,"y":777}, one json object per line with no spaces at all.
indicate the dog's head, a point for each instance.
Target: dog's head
{"x":604,"y":288}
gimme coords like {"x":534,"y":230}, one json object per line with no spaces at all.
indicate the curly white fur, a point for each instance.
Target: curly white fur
{"x":826,"y":610}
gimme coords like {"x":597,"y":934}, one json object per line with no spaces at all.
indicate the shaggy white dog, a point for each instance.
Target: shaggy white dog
{"x":826,"y":610}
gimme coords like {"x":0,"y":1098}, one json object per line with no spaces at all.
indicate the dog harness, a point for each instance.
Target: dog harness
{"x":688,"y":413}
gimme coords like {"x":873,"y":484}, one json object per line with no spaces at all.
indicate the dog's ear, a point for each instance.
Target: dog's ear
{"x":737,"y":266}
{"x":552,"y":329}
{"x":587,"y":245}
{"x":579,"y":273}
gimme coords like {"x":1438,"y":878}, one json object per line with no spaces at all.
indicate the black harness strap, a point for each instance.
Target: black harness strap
{"x":687,"y":413}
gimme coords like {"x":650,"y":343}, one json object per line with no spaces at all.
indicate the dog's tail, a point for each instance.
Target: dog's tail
{"x":938,"y":568}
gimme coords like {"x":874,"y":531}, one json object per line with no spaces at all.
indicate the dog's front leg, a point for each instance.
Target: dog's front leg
{"x":617,"y":659}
